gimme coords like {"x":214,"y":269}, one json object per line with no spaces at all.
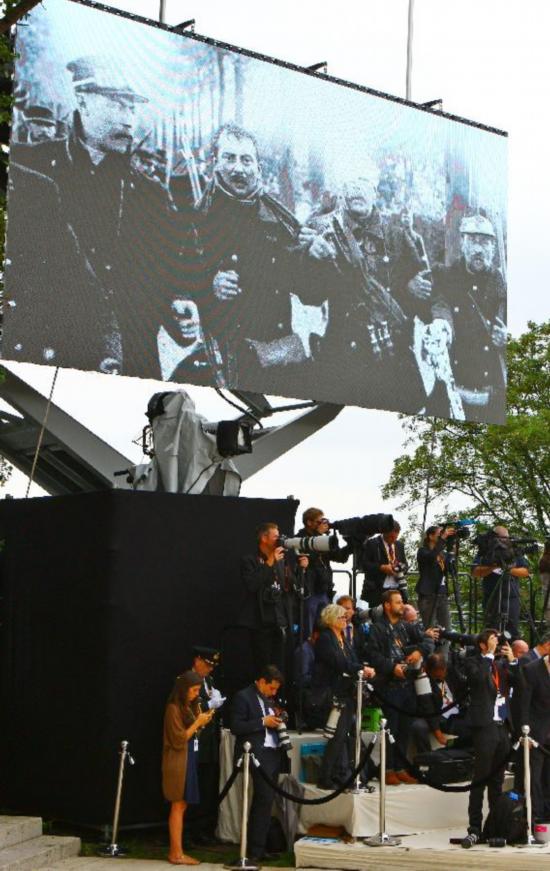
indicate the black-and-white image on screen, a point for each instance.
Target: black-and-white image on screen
{"x":185,"y":211}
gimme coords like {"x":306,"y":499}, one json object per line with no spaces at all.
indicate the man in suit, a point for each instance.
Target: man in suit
{"x":253,"y":719}
{"x":385,"y":565}
{"x":354,"y":634}
{"x":490,"y":678}
{"x":440,"y":719}
{"x":537,"y":652}
{"x":536,"y":712}
{"x":394,"y":646}
{"x":202,"y":820}
{"x":268,"y":579}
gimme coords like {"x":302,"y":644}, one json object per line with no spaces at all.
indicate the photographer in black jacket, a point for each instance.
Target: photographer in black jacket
{"x":393,"y":648}
{"x":318,"y":582}
{"x":501,"y":569}
{"x":431,"y":588}
{"x":443,"y":711}
{"x":268,"y":578}
{"x":490,"y":674}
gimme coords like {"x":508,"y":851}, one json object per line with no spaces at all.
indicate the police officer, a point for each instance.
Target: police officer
{"x":248,"y":264}
{"x":115,"y":212}
{"x":202,"y":820}
{"x":475,"y":291}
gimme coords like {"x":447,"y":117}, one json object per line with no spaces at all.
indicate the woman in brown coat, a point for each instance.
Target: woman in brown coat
{"x":182,"y":719}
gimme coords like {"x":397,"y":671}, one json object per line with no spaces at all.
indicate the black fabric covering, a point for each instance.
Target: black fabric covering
{"x":104,"y":595}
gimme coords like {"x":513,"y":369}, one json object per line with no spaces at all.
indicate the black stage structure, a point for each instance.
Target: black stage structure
{"x":103,"y":596}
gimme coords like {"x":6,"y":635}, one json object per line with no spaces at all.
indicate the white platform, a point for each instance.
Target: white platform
{"x":430,"y":849}
{"x":409,"y":809}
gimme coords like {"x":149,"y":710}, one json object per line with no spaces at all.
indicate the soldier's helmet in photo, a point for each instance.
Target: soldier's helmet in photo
{"x":95,"y":74}
{"x":477,"y":225}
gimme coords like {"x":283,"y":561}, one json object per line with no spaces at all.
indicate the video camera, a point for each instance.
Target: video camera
{"x":461,"y":530}
{"x":503,"y":552}
{"x":461,"y":638}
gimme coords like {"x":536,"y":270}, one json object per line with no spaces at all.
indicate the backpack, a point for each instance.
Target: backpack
{"x":507,"y":819}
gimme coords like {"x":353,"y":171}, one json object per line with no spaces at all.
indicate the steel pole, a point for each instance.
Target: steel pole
{"x":408,"y":90}
{"x":527,"y":783}
{"x":358,"y":715}
{"x":243,"y":864}
{"x":382,"y":839}
{"x":162,"y":12}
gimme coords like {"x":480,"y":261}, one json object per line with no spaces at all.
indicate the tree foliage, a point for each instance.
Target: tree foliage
{"x":503,"y":471}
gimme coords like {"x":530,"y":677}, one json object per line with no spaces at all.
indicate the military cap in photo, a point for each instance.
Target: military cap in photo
{"x":94,"y":74}
{"x":208,"y":654}
{"x":477,"y":224}
{"x":40,"y":114}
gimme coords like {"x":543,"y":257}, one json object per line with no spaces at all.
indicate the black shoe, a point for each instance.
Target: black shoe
{"x":254,"y":860}
{"x":470,"y":839}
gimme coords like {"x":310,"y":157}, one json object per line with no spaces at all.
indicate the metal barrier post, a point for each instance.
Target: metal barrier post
{"x":114,"y":850}
{"x":526,"y":740}
{"x":357,"y":788}
{"x":243,"y":863}
{"x":382,"y":839}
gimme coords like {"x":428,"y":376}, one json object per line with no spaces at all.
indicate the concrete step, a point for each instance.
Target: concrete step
{"x":41,"y":852}
{"x":15,"y":830}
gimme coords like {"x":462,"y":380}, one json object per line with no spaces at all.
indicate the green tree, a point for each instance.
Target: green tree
{"x":503,"y":471}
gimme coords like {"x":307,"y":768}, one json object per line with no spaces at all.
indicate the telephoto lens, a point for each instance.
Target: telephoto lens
{"x":332,"y":721}
{"x":284,"y":739}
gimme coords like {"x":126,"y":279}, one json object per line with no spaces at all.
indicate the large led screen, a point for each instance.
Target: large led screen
{"x":182,"y":210}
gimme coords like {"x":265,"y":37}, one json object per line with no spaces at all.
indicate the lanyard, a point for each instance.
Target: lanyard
{"x":495,"y":676}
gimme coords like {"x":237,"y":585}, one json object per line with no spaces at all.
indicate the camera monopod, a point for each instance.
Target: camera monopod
{"x":114,"y":850}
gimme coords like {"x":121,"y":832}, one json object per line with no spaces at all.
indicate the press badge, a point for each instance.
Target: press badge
{"x":500,"y":709}
{"x":196,"y":744}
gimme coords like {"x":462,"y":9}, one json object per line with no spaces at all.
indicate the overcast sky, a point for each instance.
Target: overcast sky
{"x":489,"y":61}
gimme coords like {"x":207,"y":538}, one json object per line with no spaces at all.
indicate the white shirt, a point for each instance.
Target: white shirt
{"x":270,"y":740}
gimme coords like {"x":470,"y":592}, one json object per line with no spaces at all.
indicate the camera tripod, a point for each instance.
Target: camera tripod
{"x":498,"y":605}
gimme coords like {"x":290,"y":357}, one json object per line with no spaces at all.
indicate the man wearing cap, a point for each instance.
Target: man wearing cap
{"x":121,"y":219}
{"x":203,"y":819}
{"x":475,"y":291}
{"x":40,"y":123}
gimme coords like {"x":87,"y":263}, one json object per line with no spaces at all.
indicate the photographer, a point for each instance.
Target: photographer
{"x":536,"y":712}
{"x":490,"y":674}
{"x":431,"y":588}
{"x":396,"y":650}
{"x":385,"y":566}
{"x":269,"y":580}
{"x":354,"y":631}
{"x":253,"y":719}
{"x":439,"y":718}
{"x":501,"y":568}
{"x":336,"y":666}
{"x":318,"y":582}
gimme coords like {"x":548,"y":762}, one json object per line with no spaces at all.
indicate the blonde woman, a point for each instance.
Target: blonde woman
{"x":335,"y":665}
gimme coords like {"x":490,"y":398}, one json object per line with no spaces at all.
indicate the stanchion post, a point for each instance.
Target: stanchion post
{"x":114,"y":850}
{"x":243,"y":864}
{"x":382,"y":839}
{"x":358,"y":714}
{"x":527,"y":783}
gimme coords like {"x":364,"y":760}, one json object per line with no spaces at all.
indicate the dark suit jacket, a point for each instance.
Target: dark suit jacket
{"x":536,"y":700}
{"x":246,"y":719}
{"x":431,"y":573}
{"x":257,"y":577}
{"x":374,"y":556}
{"x":332,"y":662}
{"x":482,"y":688}
{"x":380,"y":647}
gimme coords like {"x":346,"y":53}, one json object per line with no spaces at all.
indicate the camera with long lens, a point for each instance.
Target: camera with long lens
{"x":460,"y":530}
{"x":309,"y":544}
{"x":415,"y":673}
{"x":356,"y":529}
{"x":282,"y":732}
{"x":333,"y":718}
{"x":460,"y":638}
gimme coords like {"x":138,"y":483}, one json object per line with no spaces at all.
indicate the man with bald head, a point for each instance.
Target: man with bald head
{"x":501,"y":591}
